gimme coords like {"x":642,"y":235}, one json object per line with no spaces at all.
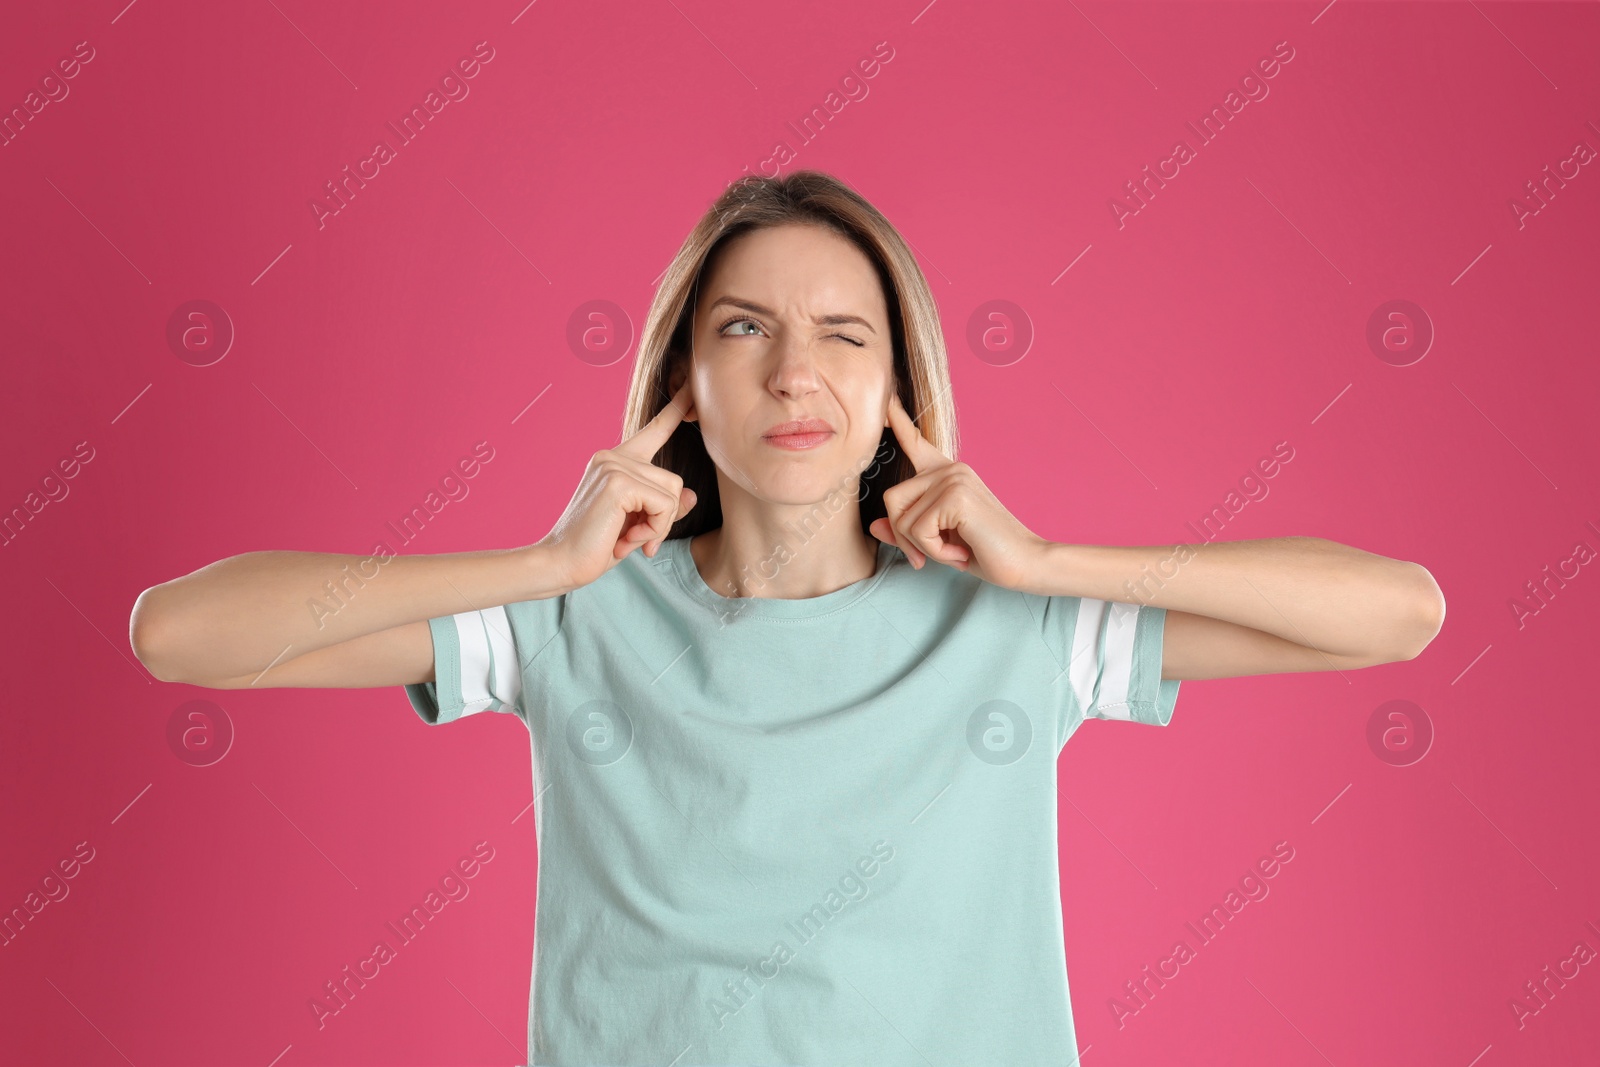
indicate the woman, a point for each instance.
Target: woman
{"x":795,"y":786}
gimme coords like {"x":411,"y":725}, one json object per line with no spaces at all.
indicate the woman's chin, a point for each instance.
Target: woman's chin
{"x":799,"y":486}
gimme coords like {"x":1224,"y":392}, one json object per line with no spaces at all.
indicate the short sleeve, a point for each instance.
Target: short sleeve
{"x":1110,"y":661}
{"x":479,"y":659}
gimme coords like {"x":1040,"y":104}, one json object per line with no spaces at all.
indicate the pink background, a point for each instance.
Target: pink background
{"x":371,"y":353}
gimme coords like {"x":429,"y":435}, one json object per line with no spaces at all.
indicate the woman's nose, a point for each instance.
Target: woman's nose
{"x":796,"y":371}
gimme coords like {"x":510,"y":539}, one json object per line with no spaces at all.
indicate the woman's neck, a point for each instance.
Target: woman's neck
{"x":785,"y":559}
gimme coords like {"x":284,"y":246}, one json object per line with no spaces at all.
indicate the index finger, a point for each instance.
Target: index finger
{"x":923,"y":453}
{"x":655,"y":433}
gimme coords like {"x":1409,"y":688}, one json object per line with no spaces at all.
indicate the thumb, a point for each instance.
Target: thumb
{"x":686,"y":502}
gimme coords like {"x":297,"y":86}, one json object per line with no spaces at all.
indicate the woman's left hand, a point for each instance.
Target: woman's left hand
{"x":946,"y":513}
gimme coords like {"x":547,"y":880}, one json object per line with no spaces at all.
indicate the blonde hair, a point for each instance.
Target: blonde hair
{"x":921,"y":367}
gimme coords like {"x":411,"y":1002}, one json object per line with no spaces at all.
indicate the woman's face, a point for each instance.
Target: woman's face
{"x":791,"y":324}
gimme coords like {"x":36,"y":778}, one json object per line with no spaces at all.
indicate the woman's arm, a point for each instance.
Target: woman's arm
{"x":243,"y":620}
{"x":351,"y":621}
{"x":1259,"y":607}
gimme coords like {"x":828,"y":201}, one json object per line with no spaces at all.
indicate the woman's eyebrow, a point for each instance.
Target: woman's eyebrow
{"x":751,"y":305}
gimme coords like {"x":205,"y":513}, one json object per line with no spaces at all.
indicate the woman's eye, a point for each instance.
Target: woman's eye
{"x":752,"y":323}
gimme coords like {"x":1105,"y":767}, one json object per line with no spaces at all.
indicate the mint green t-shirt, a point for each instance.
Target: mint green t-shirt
{"x":814,"y":831}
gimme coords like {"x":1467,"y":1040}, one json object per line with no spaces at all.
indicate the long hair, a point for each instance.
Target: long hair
{"x":921,"y":368}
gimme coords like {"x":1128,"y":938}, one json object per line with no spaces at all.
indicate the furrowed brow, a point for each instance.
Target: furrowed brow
{"x":837,"y":319}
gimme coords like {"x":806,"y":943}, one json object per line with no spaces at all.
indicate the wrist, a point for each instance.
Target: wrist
{"x":1049,"y":562}
{"x":545,"y":571}
{"x":1079,"y":570}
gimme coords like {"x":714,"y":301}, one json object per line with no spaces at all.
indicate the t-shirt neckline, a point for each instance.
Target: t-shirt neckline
{"x":682,"y":561}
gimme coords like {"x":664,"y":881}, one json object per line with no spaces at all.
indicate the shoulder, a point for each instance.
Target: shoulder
{"x":946,"y":590}
{"x":537,"y":622}
{"x":633,"y":576}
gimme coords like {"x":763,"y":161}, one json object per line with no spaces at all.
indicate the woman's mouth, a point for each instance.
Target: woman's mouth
{"x":798,"y":434}
{"x":797,"y":440}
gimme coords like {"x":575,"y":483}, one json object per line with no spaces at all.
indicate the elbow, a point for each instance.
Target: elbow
{"x":1427,"y":612}
{"x":144,"y":627}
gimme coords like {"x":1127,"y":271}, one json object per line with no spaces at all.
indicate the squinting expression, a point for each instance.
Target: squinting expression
{"x":792,"y":326}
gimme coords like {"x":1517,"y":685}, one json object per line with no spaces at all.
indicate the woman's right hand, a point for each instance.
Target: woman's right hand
{"x":623,"y":501}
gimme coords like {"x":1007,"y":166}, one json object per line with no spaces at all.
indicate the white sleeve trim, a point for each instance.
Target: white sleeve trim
{"x":1101,"y":669}
{"x":490,"y":673}
{"x":1117,"y":671}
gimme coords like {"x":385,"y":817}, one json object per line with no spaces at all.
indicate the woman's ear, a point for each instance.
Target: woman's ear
{"x":675,"y":382}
